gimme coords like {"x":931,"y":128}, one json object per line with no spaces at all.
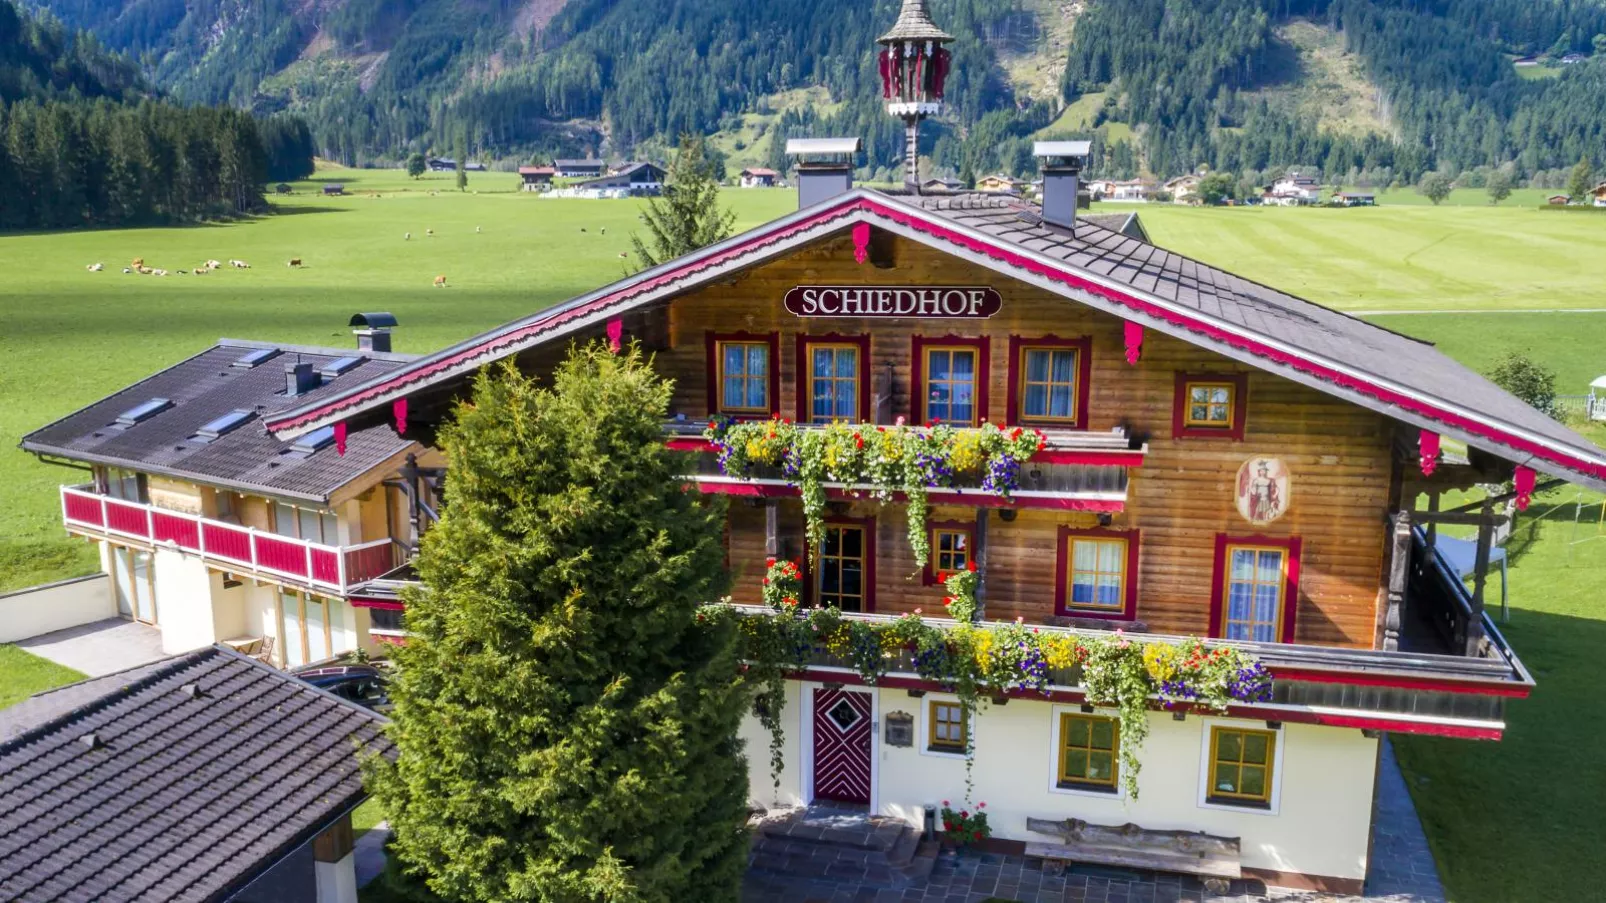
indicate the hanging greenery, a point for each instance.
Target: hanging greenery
{"x":890,"y":461}
{"x":979,"y":661}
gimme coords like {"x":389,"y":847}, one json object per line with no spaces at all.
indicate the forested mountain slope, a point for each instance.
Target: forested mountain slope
{"x":1165,"y":85}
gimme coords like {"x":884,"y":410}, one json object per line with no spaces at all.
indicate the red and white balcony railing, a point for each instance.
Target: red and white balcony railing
{"x":227,"y":546}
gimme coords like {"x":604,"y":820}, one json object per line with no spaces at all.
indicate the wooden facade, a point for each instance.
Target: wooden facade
{"x":1181,"y":500}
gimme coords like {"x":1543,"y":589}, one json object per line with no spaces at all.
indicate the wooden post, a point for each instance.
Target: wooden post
{"x":1399,"y":579}
{"x":980,"y":557}
{"x":1433,"y":528}
{"x":772,"y":542}
{"x":1480,"y":575}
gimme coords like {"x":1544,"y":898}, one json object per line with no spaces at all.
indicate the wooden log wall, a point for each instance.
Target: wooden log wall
{"x":1338,"y":454}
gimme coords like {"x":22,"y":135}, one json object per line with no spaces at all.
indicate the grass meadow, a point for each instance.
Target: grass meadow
{"x":1478,"y":280}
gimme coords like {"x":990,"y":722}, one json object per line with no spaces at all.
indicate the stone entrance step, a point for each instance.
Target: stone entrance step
{"x":841,"y":843}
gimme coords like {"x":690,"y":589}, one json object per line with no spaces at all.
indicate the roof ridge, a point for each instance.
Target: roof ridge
{"x":177,"y":663}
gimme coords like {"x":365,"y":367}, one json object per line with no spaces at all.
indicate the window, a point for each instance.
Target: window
{"x":1097,"y":573}
{"x":125,"y":485}
{"x":1241,"y":763}
{"x":143,"y":412}
{"x":1258,"y":580}
{"x":949,"y":380}
{"x":945,"y":727}
{"x":1049,"y":381}
{"x":845,"y":574}
{"x":306,"y":523}
{"x":742,"y":374}
{"x":952,"y":546}
{"x":1209,"y":406}
{"x":1088,"y":750}
{"x":221,"y":426}
{"x":833,"y":383}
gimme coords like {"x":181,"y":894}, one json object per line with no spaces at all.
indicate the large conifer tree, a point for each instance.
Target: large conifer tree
{"x":566,"y":726}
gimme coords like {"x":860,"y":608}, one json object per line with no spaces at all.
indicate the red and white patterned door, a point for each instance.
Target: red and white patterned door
{"x":842,"y":733}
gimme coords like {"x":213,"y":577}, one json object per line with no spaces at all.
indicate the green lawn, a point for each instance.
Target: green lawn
{"x":1521,"y":819}
{"x":23,"y":674}
{"x":68,"y":336}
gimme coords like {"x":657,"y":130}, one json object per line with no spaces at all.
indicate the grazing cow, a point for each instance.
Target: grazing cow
{"x":623,"y":255}
{"x":294,"y":262}
{"x":95,"y":267}
{"x":429,"y":233}
{"x":145,"y":271}
{"x":201,"y":271}
{"x":126,"y":271}
{"x":604,"y":230}
{"x":239,"y":265}
{"x":407,"y":236}
{"x":138,"y":262}
{"x":476,"y":230}
{"x":158,"y":272}
{"x":440,"y":281}
{"x":213,"y":264}
{"x":582,"y":228}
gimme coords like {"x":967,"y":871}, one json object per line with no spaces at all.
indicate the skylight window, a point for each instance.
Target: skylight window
{"x":143,"y":412}
{"x":223,"y":425}
{"x":314,"y":440}
{"x":256,"y":357}
{"x":335,"y":368}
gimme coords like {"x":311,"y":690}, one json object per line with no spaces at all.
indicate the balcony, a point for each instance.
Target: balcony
{"x":1419,"y":693}
{"x":325,"y":569}
{"x":1079,"y":471}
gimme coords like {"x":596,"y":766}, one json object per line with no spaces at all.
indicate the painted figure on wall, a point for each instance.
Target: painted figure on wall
{"x":1262,"y":490}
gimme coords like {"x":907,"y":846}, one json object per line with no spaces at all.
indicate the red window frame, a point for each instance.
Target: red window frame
{"x":811,"y":593}
{"x":928,"y":574}
{"x":711,"y":348}
{"x":917,"y":372}
{"x":1062,"y":574}
{"x":1084,"y":378}
{"x":1240,"y":407}
{"x":805,"y":391}
{"x":1294,"y":546}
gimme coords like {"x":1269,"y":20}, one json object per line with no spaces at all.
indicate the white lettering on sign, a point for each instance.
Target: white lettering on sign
{"x":932,"y":302}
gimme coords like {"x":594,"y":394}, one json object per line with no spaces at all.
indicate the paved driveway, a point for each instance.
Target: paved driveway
{"x":102,"y":647}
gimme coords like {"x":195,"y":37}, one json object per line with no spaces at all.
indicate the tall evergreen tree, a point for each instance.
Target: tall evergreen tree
{"x":688,"y":217}
{"x":1581,"y":180}
{"x":566,"y":726}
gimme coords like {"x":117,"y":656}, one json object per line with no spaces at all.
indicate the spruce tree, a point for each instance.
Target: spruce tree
{"x":688,"y":216}
{"x":566,"y":723}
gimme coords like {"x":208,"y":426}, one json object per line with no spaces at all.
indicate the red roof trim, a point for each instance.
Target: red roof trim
{"x":926,"y":225}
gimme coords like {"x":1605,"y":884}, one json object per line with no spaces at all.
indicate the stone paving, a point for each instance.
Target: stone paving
{"x":1402,"y":867}
{"x":98,"y":648}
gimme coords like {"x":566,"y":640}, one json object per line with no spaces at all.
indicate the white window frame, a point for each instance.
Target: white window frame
{"x":923,"y":728}
{"x":1206,"y":753}
{"x":1054,"y":756}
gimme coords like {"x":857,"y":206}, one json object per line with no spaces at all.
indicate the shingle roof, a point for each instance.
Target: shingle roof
{"x":914,"y":24}
{"x":207,"y":386}
{"x":1332,"y":352}
{"x":181,"y":797}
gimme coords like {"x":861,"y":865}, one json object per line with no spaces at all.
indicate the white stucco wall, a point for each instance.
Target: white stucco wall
{"x":1320,"y":824}
{"x":183,"y":601}
{"x":54,"y":606}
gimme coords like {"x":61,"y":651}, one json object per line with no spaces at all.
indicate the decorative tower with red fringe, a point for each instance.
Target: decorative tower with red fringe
{"x":914,"y":65}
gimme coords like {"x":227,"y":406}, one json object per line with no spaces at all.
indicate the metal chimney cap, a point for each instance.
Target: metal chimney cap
{"x":914,"y":24}
{"x":1062,"y":148}
{"x":376,"y":320}
{"x":797,"y":147}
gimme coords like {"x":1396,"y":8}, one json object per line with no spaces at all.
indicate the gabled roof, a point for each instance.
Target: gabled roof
{"x":1341,"y":355}
{"x":759,"y":171}
{"x":537,"y":170}
{"x":183,"y":782}
{"x":210,"y":385}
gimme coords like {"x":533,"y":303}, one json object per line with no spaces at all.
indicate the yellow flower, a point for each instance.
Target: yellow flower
{"x":1160,"y":660}
{"x":984,"y":645}
{"x":1059,"y":651}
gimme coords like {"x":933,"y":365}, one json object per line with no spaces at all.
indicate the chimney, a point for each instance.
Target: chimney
{"x":373,"y":331}
{"x":1062,"y":177}
{"x":299,"y":378}
{"x":824,"y":167}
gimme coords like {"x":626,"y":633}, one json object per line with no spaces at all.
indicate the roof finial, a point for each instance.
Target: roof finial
{"x":914,"y":66}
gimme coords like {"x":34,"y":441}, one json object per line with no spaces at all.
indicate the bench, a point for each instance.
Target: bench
{"x":1215,"y":859}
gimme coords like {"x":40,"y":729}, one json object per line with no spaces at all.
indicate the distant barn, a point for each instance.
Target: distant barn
{"x":332,"y":189}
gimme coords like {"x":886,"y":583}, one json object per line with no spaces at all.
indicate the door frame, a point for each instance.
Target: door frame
{"x":806,"y":737}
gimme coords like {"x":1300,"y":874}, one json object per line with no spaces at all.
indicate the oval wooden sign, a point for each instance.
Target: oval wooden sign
{"x":941,"y":302}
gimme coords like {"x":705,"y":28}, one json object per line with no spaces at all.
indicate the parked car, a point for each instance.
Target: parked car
{"x":365,"y":685}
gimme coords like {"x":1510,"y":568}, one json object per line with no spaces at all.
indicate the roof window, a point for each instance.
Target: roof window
{"x":311,"y":442}
{"x":337,"y":367}
{"x":142,"y":412}
{"x":254,"y":358}
{"x":222,"y":426}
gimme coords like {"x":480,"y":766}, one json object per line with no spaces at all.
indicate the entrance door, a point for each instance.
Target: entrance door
{"x":842,"y":746}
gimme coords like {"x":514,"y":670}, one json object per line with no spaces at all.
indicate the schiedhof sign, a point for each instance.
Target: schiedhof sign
{"x":945,"y":302}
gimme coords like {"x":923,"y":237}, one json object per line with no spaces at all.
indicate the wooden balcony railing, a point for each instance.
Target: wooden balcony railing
{"x":242,"y":550}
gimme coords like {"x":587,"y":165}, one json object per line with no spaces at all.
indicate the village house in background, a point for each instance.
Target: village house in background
{"x":628,"y":180}
{"x":1293,"y":190}
{"x":536,"y":178}
{"x":1129,"y":190}
{"x":208,"y":776}
{"x":999,"y":183}
{"x":1599,"y":195}
{"x":1354,"y":199}
{"x":214,"y":531}
{"x":758,"y":177}
{"x":935,"y":185}
{"x":448,"y":164}
{"x":580,"y":169}
{"x":1184,"y":189}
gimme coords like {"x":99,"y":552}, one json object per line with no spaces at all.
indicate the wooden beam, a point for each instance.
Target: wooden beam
{"x":1480,"y":575}
{"x":772,"y":542}
{"x":980,"y":553}
{"x":1464,"y":520}
{"x":1399,"y":579}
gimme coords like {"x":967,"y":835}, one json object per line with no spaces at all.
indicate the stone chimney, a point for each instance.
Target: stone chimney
{"x":373,"y":330}
{"x":824,"y":167}
{"x":1062,"y":179}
